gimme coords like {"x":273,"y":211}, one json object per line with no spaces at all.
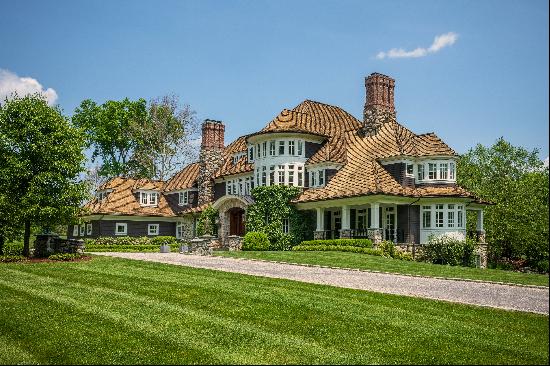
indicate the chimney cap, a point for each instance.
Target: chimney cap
{"x":208,"y":120}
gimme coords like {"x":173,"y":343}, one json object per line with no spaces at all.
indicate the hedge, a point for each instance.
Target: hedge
{"x":360,"y":243}
{"x":131,"y":241}
{"x":128,"y":248}
{"x":338,"y":248}
{"x":255,"y":240}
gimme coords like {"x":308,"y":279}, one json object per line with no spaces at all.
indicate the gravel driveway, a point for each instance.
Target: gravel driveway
{"x":530,"y":299}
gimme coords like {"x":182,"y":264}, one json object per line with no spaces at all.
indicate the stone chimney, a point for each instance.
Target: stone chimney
{"x":379,"y":101}
{"x":210,"y":158}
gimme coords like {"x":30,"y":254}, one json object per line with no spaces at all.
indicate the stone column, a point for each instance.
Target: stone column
{"x":375,"y":232}
{"x":345,"y":232}
{"x":479,"y":227}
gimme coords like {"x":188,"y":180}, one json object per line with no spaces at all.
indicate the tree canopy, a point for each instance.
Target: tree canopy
{"x":516,"y":181}
{"x":42,"y":158}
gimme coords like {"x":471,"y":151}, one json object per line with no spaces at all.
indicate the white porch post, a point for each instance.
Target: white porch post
{"x":345,"y":232}
{"x":479,"y":226}
{"x":320,"y":219}
{"x":375,"y":232}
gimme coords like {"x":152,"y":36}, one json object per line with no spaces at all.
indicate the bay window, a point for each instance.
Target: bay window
{"x":272,"y":148}
{"x":291,"y":148}
{"x":443,"y":216}
{"x":432,"y":171}
{"x":443,"y":167}
{"x":420,"y":171}
{"x":281,"y":147}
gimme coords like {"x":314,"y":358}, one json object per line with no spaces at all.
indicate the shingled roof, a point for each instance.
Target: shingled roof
{"x":184,"y":179}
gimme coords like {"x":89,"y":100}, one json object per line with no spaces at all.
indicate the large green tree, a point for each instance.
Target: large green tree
{"x":111,"y":133}
{"x":42,"y":158}
{"x":516,"y":181}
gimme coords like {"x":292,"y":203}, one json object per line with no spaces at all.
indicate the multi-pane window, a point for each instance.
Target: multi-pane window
{"x":427,"y":217}
{"x":258,"y":151}
{"x":432,"y":171}
{"x":291,"y":150}
{"x":286,"y":225}
{"x":452,"y":171}
{"x":272,"y":148}
{"x":148,"y":198}
{"x":89,"y":228}
{"x":184,"y":198}
{"x":439,"y":219}
{"x":420,"y":171}
{"x":321,"y":177}
{"x":153,"y":229}
{"x":272,"y":175}
{"x":313,"y":179}
{"x":300,"y":147}
{"x":291,"y":175}
{"x":251,"y":154}
{"x":410,"y":170}
{"x":460,"y":220}
{"x":179,"y":230}
{"x":281,"y":179}
{"x":82,"y":229}
{"x":264,"y":176}
{"x":121,"y":228}
{"x":443,"y":167}
{"x":317,"y":178}
{"x":361,"y":219}
{"x":300,"y":176}
{"x":75,"y":230}
{"x":264,"y":149}
{"x":281,"y":147}
{"x":450,"y":215}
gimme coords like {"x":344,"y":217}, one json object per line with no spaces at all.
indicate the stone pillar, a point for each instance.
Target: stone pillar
{"x":319,"y":235}
{"x":375,"y":232}
{"x":479,"y":227}
{"x":481,"y":252}
{"x":234,"y":242}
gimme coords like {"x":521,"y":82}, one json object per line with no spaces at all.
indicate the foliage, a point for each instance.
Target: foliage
{"x":13,"y":248}
{"x":255,"y":241}
{"x":130,"y":240}
{"x":128,"y":248}
{"x":12,"y":258}
{"x":387,"y":248}
{"x":447,"y":250}
{"x":338,"y":248}
{"x":65,"y":256}
{"x":361,"y":243}
{"x":516,"y":181}
{"x":271,"y":206}
{"x":42,"y":158}
{"x":165,"y":137}
{"x":206,"y":224}
{"x":164,"y":240}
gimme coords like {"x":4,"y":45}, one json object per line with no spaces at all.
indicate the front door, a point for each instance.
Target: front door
{"x":236,"y":222}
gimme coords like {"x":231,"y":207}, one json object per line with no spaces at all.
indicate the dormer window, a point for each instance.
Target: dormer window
{"x":435,"y":170}
{"x":101,"y":195}
{"x":148,"y":198}
{"x":410,"y":170}
{"x":184,"y":198}
{"x":317,"y":178}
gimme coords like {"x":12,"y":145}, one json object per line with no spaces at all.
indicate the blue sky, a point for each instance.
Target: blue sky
{"x":243,"y":61}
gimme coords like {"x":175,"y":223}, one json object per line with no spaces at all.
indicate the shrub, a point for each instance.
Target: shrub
{"x":388,"y":249}
{"x":361,"y":243}
{"x":14,"y":248}
{"x":337,"y":248}
{"x":65,"y":256}
{"x":121,"y":240}
{"x":281,"y":241}
{"x":128,"y":248}
{"x":12,"y":258}
{"x":447,"y":250}
{"x":542,"y":266}
{"x":254,"y":240}
{"x":164,"y":240}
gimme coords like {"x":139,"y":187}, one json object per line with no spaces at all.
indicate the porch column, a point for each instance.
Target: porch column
{"x":345,"y":232}
{"x":320,"y":229}
{"x":375,"y":232}
{"x":481,"y":246}
{"x":479,"y":227}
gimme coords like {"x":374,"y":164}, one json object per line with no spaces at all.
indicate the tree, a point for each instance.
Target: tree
{"x":166,"y":137}
{"x":111,"y":133}
{"x":42,"y":157}
{"x":516,"y":181}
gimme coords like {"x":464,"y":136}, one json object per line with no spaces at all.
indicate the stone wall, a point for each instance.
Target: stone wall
{"x":47,"y":244}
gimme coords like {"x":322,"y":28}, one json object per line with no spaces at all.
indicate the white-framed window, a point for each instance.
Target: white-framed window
{"x":409,"y":170}
{"x":300,"y":148}
{"x":75,"y":230}
{"x":152,"y":229}
{"x":452,"y":171}
{"x":89,"y":228}
{"x":427,"y":217}
{"x":281,"y":174}
{"x":148,"y":198}
{"x":317,"y":178}
{"x":101,"y":195}
{"x":291,"y":150}
{"x":281,"y":147}
{"x":286,"y":225}
{"x":459,"y":213}
{"x":322,"y":177}
{"x":264,"y":176}
{"x":179,"y":230}
{"x":272,"y":148}
{"x":432,"y":171}
{"x":82,"y":229}
{"x":312,"y":179}
{"x":291,"y":175}
{"x":264,"y":149}
{"x":272,"y":175}
{"x":420,"y":171}
{"x":443,"y":170}
{"x":250,"y":154}
{"x":183,"y":198}
{"x":441,"y":216}
{"x":257,"y":150}
{"x":300,"y":176}
{"x":121,"y":228}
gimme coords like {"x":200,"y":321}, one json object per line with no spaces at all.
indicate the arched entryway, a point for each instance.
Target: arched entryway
{"x":236,"y":221}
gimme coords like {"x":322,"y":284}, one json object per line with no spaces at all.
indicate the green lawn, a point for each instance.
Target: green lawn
{"x":109,"y":310}
{"x":374,"y":263}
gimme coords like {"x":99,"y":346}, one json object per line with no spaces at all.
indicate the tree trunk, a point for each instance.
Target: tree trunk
{"x":2,"y":245}
{"x":26,"y":238}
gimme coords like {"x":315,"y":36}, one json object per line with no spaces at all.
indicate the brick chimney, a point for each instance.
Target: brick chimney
{"x":210,"y":158}
{"x":379,"y":101}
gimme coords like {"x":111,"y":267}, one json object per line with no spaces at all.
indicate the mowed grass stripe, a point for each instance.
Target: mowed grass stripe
{"x":374,"y":263}
{"x":120,"y":311}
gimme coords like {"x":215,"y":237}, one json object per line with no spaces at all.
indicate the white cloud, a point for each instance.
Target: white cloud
{"x":439,"y":42}
{"x":10,"y":83}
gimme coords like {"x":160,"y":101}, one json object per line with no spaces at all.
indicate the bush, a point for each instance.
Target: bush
{"x":360,"y":243}
{"x":254,"y":240}
{"x":164,"y":240}
{"x":12,"y":258}
{"x":281,"y":241}
{"x":447,"y":250}
{"x":337,"y":248}
{"x":128,"y":248}
{"x":542,"y":266}
{"x":65,"y":256}
{"x":388,"y":249}
{"x":121,"y":240}
{"x":14,"y":248}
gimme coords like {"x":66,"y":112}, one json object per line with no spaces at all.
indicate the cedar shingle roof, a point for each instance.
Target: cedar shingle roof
{"x":185,"y":178}
{"x":123,"y":200}
{"x":242,"y":166}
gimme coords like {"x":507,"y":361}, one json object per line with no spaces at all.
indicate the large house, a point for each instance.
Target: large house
{"x":372,"y":178}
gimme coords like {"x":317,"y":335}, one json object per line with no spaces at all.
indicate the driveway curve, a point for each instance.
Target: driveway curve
{"x":529,"y":299}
